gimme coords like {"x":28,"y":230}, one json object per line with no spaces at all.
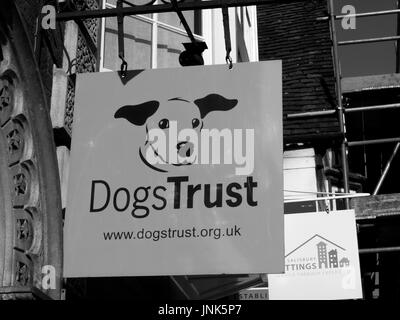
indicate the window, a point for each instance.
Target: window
{"x":155,"y":40}
{"x":151,"y":40}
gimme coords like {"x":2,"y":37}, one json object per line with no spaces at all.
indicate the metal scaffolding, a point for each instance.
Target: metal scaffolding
{"x":376,"y":107}
{"x":341,"y":110}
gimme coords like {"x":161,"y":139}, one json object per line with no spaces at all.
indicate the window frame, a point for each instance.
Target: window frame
{"x":155,"y":25}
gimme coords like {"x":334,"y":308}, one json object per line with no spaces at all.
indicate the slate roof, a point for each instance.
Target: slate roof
{"x":290,"y":32}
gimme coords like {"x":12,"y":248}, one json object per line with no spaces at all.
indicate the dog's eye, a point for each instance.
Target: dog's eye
{"x":195,"y":123}
{"x":163,"y":124}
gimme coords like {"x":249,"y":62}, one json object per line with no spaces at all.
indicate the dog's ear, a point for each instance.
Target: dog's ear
{"x":214,"y":102}
{"x":137,"y":114}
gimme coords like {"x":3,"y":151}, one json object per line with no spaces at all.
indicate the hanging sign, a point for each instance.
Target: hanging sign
{"x":176,"y":172}
{"x":321,"y":258}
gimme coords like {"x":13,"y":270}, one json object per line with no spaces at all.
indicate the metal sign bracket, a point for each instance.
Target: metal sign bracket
{"x":227,"y":35}
{"x":121,"y":45}
{"x":193,"y":50}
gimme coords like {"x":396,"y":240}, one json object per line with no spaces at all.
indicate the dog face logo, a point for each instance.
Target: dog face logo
{"x":186,"y":114}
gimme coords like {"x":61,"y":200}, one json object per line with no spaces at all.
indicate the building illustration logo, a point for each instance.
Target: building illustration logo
{"x":317,"y":255}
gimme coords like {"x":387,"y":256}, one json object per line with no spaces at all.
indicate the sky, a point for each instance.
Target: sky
{"x":371,"y":58}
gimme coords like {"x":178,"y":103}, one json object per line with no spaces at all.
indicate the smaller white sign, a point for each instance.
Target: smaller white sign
{"x":321,"y":258}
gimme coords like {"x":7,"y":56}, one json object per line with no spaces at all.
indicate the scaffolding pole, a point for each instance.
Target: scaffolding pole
{"x":379,"y":250}
{"x":373,"y":108}
{"x":388,"y":164}
{"x":322,"y":113}
{"x":398,"y":41}
{"x":361,"y":15}
{"x":380,"y":39}
{"x":346,"y":197}
{"x":376,"y":141}
{"x":340,"y":103}
{"x":310,"y":114}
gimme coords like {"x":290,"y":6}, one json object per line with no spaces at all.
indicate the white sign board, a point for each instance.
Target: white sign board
{"x":321,"y":258}
{"x":176,"y":172}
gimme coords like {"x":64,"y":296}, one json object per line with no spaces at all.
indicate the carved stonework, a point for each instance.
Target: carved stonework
{"x":86,"y":60}
{"x":16,"y":138}
{"x":6,"y":99}
{"x":90,"y":24}
{"x":25,"y":238}
{"x":23,"y":231}
{"x":22,"y":175}
{"x":5,"y":95}
{"x":30,"y":200}
{"x":83,"y":47}
{"x":22,"y":274}
{"x":20,"y":184}
{"x":69,"y":107}
{"x":23,"y":178}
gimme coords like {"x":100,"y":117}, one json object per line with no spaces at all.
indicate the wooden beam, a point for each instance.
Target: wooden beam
{"x":383,"y":81}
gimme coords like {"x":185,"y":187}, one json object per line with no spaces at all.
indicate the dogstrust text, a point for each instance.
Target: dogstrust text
{"x":209,"y":146}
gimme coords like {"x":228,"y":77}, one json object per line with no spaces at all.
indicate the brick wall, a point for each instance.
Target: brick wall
{"x":290,"y":32}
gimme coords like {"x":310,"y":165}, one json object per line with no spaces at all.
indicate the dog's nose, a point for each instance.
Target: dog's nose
{"x":185,"y":149}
